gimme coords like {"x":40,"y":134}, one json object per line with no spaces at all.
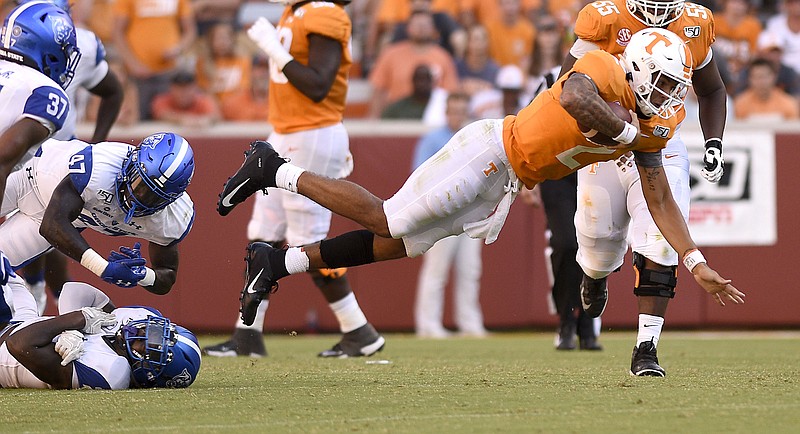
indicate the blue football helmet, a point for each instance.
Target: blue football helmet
{"x":41,"y":35}
{"x":168,"y":355}
{"x":154,"y":174}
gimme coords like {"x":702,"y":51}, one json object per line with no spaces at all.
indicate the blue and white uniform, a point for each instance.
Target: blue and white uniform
{"x":93,"y":170}
{"x":27,"y":93}
{"x":99,"y":367}
{"x":91,"y":70}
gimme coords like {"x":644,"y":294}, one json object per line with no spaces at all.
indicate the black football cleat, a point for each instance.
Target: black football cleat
{"x":363,"y":341}
{"x":644,"y":361}
{"x":261,"y":162}
{"x":244,"y":342}
{"x":594,"y":295}
{"x":259,"y":280}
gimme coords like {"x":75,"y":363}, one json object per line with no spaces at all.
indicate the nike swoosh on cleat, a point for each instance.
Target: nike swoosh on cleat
{"x":226,"y":201}
{"x":251,"y":288}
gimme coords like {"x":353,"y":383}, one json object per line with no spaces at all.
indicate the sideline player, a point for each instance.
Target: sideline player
{"x":613,"y":188}
{"x":35,"y":105}
{"x":309,"y":62}
{"x":469,"y":185}
{"x":113,"y":188}
{"x":93,"y":74}
{"x":93,"y":344}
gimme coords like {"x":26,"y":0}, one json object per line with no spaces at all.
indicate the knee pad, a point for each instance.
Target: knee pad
{"x":655,"y":283}
{"x":326,"y":275}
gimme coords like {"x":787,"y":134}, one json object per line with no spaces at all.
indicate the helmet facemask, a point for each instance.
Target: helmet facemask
{"x":655,"y":13}
{"x":149,"y":344}
{"x":135,"y":194}
{"x":669,"y":93}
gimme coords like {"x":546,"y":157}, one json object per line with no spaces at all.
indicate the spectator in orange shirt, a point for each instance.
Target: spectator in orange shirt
{"x":737,"y":33}
{"x":251,"y":104}
{"x":222,"y":69}
{"x":763,"y":99}
{"x":208,"y":12}
{"x":185,"y":103}
{"x":511,"y":36}
{"x":151,"y":36}
{"x":388,"y":15}
{"x":391,"y":77}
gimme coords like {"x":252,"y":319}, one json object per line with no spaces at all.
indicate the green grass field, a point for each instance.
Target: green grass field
{"x":510,"y":382}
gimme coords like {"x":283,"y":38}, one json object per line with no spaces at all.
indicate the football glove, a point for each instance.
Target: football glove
{"x":5,"y":269}
{"x":96,"y":319}
{"x":69,"y":346}
{"x":264,"y":34}
{"x":124,"y":272}
{"x":713,"y":164}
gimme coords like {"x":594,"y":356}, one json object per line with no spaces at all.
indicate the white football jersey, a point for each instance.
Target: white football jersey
{"x":25,"y":92}
{"x":93,"y":170}
{"x":92,"y":68}
{"x":99,"y":367}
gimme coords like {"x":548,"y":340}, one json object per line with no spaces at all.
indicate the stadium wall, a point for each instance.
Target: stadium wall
{"x":514,"y":290}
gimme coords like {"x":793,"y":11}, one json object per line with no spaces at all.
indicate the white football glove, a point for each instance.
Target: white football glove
{"x":713,"y":163}
{"x":69,"y":346}
{"x":264,"y":34}
{"x":96,"y":319}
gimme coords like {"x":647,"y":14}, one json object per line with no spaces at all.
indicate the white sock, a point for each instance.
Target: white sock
{"x":348,"y":313}
{"x":258,"y":323}
{"x":286,"y":176}
{"x":649,"y":328}
{"x":296,"y":260}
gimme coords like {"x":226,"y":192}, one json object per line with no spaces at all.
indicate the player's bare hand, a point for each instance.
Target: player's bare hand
{"x":719,"y":288}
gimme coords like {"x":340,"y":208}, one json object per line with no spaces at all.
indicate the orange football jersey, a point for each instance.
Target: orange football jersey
{"x":608,"y":24}
{"x":544,"y":142}
{"x":290,"y":110}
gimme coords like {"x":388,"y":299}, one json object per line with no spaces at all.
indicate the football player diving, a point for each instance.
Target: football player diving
{"x":470,"y":184}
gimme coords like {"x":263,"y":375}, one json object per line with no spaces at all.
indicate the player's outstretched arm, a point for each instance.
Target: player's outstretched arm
{"x":670,"y":222}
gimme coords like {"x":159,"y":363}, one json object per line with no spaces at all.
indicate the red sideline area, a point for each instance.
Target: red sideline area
{"x":514,"y":285}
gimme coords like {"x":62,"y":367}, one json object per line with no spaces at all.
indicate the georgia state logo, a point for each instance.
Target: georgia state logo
{"x":152,"y":141}
{"x":184,"y":379}
{"x":623,"y":36}
{"x":61,"y":29}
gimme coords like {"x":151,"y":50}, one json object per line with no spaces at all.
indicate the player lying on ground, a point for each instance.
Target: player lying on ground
{"x":470,"y":184}
{"x":92,"y":344}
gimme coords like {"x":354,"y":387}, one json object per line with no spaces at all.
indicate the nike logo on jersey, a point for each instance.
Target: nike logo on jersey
{"x":670,"y":156}
{"x":226,"y":201}
{"x":649,"y":325}
{"x":251,"y":289}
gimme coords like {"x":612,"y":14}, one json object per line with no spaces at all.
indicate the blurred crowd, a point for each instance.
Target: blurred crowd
{"x":189,"y":61}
